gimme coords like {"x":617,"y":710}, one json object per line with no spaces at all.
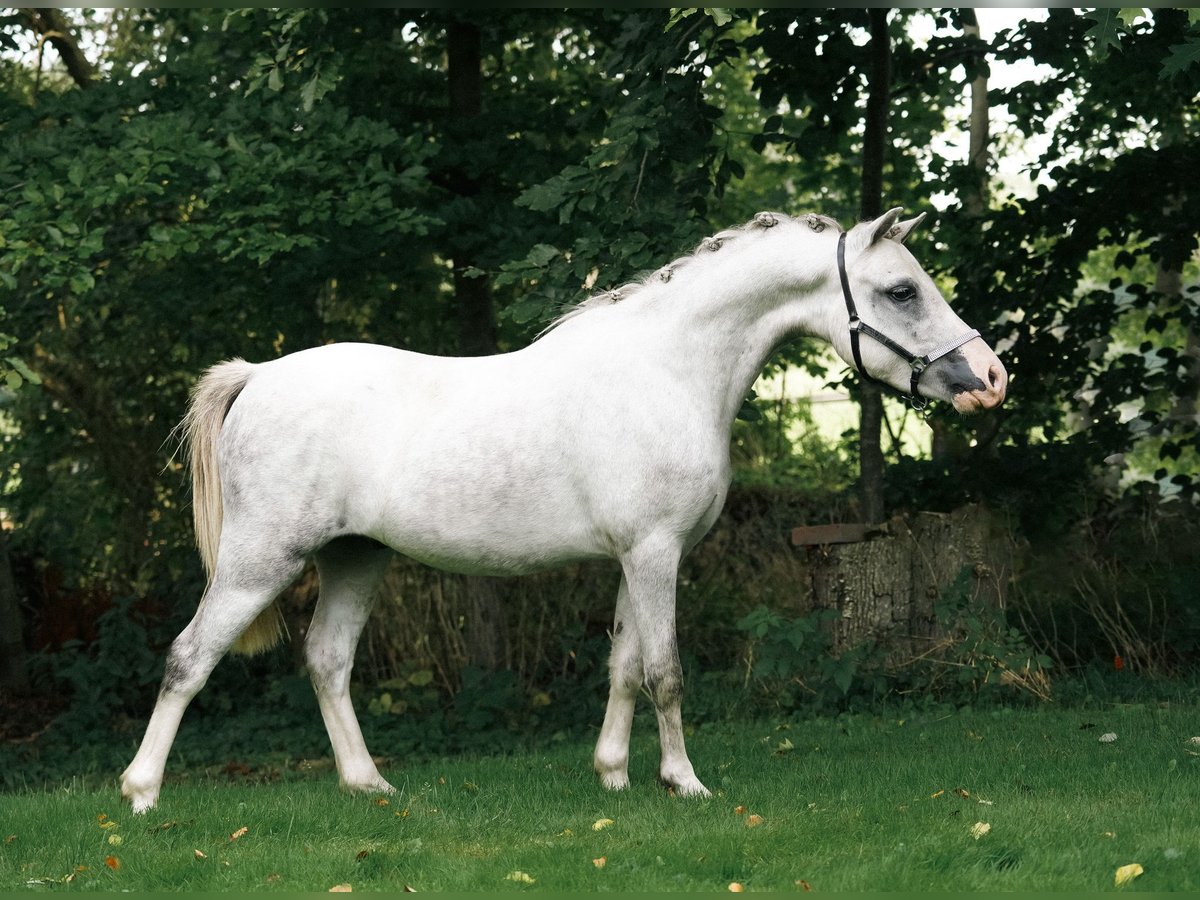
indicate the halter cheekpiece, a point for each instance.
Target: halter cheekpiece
{"x":857,"y":326}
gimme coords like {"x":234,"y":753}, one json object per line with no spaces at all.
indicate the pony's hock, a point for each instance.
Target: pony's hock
{"x":608,"y":437}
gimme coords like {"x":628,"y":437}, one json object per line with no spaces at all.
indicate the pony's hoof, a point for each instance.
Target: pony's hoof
{"x":141,"y":799}
{"x":689,"y":786}
{"x":615,"y":781}
{"x":374,"y":786}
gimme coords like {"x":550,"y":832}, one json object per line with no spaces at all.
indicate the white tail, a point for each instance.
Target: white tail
{"x":210,"y":403}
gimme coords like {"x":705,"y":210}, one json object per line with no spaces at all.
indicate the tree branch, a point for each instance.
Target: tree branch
{"x":51,"y":27}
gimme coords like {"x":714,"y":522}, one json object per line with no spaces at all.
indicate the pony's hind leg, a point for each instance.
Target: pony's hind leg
{"x":233,"y":600}
{"x":350,"y":570}
{"x":611,"y":760}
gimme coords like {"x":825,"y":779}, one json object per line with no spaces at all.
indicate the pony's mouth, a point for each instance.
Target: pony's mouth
{"x":993,"y":387}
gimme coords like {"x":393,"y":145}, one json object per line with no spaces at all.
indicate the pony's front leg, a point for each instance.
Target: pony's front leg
{"x":651,"y":570}
{"x":625,"y":680}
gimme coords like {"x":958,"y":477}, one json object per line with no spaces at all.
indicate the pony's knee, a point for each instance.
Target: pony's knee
{"x":625,"y":675}
{"x":625,"y":672}
{"x":665,"y":685}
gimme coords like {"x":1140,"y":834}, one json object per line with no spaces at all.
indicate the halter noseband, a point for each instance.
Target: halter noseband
{"x":857,"y":326}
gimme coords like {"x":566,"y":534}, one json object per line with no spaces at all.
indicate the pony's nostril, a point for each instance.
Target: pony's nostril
{"x":994,"y":376}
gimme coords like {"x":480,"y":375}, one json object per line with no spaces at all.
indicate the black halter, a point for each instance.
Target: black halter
{"x":857,"y":326}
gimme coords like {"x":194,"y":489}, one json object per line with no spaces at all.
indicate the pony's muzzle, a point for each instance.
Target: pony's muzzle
{"x":992,"y":384}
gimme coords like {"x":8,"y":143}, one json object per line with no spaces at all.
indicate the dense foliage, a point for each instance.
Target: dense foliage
{"x":203,"y":183}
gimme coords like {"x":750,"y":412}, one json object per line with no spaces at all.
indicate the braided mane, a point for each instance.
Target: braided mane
{"x":760,"y":223}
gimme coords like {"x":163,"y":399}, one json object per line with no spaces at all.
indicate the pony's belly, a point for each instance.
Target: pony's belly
{"x":474,"y":551}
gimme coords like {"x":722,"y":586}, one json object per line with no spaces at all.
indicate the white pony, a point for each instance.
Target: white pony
{"x":608,"y":437}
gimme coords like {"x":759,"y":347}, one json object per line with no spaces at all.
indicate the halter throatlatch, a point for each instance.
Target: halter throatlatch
{"x":857,"y":326}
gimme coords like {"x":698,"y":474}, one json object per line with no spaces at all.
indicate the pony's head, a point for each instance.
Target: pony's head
{"x":907,"y":336}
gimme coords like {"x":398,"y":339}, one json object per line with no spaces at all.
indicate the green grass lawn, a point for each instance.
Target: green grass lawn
{"x":854,"y":803}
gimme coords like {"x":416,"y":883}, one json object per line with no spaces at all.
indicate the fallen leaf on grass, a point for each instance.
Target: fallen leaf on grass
{"x":10,"y":839}
{"x":409,"y":889}
{"x":601,"y":824}
{"x":979,"y":829}
{"x":200,"y":855}
{"x":601,"y":862}
{"x":1108,"y":834}
{"x":340,"y":889}
{"x":800,"y":882}
{"x":754,"y":820}
{"x":937,"y":794}
{"x":736,"y":887}
{"x":1194,"y":740}
{"x":382,"y":801}
{"x":239,"y":833}
{"x":740,"y":810}
{"x":520,"y":877}
{"x":112,"y":862}
{"x":361,"y":855}
{"x":1108,"y":738}
{"x":1126,"y":874}
{"x":962,"y":792}
{"x":115,"y":840}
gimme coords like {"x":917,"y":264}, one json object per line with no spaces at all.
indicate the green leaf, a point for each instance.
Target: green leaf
{"x":679,"y":15}
{"x":308,"y":96}
{"x":82,"y":282}
{"x":541,"y":254}
{"x":1183,"y":56}
{"x":27,"y":374}
{"x":275,"y":79}
{"x":1193,"y":15}
{"x":720,"y":16}
{"x":843,"y":675}
{"x":1128,"y":15}
{"x":1106,"y":32}
{"x":543,"y":197}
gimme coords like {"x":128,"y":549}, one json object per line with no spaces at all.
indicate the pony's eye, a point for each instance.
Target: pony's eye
{"x":902,"y":294}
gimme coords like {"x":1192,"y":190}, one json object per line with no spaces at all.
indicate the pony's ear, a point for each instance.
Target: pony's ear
{"x":865,"y":234}
{"x":901,"y":230}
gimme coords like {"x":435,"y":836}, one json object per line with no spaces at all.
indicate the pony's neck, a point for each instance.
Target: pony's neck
{"x":718,"y":321}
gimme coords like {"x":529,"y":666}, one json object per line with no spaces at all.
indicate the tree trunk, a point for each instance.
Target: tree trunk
{"x":888,"y":586}
{"x":947,"y":443}
{"x":975,"y":199}
{"x":14,"y":675}
{"x":870,"y":447}
{"x":484,"y":627}
{"x":475,"y":316}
